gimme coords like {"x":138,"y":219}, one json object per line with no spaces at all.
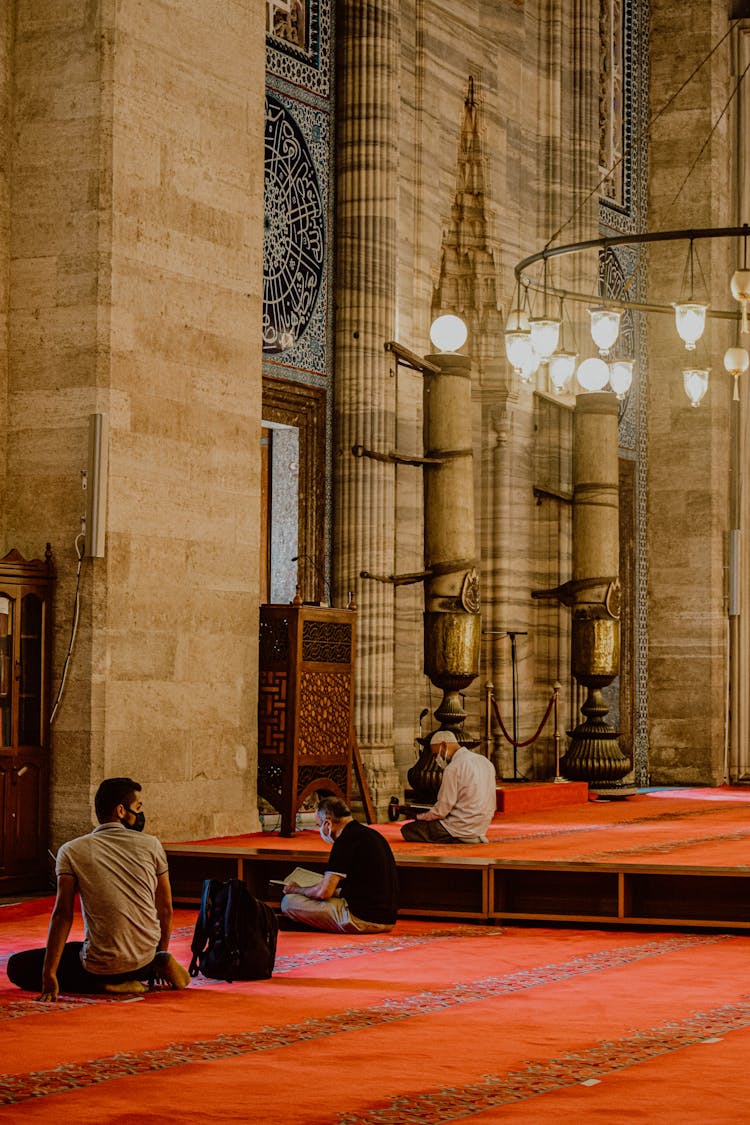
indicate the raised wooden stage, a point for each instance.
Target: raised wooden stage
{"x":674,"y":858}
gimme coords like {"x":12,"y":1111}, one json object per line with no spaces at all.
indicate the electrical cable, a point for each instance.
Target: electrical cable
{"x":640,"y":133}
{"x":80,"y":547}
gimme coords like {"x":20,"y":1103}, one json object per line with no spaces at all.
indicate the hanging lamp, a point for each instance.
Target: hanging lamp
{"x":741,"y":289}
{"x":695,"y":382}
{"x":736,"y":362}
{"x":545,"y":329}
{"x":605,"y":327}
{"x":518,"y":349}
{"x":562,"y":365}
{"x":690,"y":315}
{"x":621,"y":376}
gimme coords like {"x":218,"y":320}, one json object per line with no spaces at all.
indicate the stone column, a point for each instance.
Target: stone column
{"x":452,"y":625}
{"x":594,"y":754}
{"x":367,"y":162}
{"x":452,"y":622}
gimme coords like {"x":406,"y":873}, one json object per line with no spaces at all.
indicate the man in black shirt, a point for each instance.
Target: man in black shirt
{"x":362,"y":860}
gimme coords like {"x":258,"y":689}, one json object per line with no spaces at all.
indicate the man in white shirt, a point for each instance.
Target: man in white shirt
{"x":466,"y":801}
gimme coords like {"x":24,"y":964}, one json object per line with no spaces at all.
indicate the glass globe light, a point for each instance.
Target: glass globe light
{"x":448,"y":333}
{"x":517,"y":320}
{"x":695,"y":382}
{"x":561,"y":368}
{"x":736,"y":361}
{"x":605,"y":327}
{"x":621,"y":376}
{"x":518,"y":349}
{"x":593,"y":374}
{"x":545,"y":333}
{"x":741,"y":292}
{"x":529,"y":367}
{"x":690,"y":320}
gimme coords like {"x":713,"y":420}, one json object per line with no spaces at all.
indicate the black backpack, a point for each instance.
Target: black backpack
{"x":235,"y":934}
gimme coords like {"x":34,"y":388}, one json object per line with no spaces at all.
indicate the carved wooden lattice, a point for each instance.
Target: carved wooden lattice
{"x":326,"y":642}
{"x":324,"y":720}
{"x":272,"y":707}
{"x":305,"y":701}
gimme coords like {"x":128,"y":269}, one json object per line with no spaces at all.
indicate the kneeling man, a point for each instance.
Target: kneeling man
{"x":466,"y":801}
{"x":358,"y":892}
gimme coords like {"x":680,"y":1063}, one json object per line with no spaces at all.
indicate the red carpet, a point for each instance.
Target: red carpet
{"x":434,"y":1023}
{"x":429,"y":1024}
{"x":693,"y":827}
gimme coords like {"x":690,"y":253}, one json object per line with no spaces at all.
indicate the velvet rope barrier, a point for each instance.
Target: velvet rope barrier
{"x":540,"y":728}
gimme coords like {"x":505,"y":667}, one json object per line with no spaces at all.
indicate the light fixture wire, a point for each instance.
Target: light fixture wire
{"x":713,"y":129}
{"x":80,"y":547}
{"x":638,"y":137}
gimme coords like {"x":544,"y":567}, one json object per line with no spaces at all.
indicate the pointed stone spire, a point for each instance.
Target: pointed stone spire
{"x":468,"y":275}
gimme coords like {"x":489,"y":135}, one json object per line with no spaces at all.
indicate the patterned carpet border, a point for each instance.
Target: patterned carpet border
{"x":571,"y":1069}
{"x":16,"y":1089}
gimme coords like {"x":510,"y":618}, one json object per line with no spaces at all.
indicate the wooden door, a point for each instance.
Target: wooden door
{"x":25,"y":599}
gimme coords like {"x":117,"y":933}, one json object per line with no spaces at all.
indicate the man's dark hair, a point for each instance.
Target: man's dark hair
{"x":112,"y":792}
{"x":334,"y":808}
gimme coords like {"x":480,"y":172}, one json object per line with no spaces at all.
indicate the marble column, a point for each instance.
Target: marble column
{"x":594,"y":754}
{"x":452,"y":621}
{"x":366,"y":183}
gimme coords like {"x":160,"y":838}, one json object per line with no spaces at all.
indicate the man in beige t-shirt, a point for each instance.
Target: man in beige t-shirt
{"x":126,"y":901}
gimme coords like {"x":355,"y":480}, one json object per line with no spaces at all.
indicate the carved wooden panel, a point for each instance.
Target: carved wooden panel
{"x":327,"y":642}
{"x":324,"y":718}
{"x":305,"y":705}
{"x":272,"y":706}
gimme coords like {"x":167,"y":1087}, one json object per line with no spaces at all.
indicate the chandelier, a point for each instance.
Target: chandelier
{"x":533,"y":341}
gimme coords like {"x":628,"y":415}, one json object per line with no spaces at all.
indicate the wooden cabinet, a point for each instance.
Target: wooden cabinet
{"x":25,"y":624}
{"x":305,"y":720}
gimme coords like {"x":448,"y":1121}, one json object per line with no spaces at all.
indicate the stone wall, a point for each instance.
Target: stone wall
{"x":688,"y":487}
{"x":136,"y":268}
{"x":6,"y":26}
{"x":533,"y":72}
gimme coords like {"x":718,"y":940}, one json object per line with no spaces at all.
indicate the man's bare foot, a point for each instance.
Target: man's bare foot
{"x":170,"y":971}
{"x":126,"y":988}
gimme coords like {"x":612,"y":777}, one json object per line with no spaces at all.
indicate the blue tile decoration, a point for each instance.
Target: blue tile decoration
{"x":299,"y":43}
{"x":298,"y":249}
{"x":294,"y":250}
{"x":298,"y":281}
{"x":625,"y":212}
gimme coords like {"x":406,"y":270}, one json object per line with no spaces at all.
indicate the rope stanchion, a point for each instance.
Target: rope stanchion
{"x":518,"y":743}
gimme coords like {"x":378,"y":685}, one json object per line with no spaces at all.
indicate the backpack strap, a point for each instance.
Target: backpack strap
{"x":200,"y":935}
{"x":235,"y":890}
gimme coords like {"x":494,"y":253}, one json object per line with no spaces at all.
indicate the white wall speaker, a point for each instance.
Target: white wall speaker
{"x":735,"y":562}
{"x":96,"y":485}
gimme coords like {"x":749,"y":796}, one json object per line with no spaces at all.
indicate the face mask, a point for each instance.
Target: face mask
{"x":138,"y":823}
{"x":326,"y":837}
{"x":440,"y":762}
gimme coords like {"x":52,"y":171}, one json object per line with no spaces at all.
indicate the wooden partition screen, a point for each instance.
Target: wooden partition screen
{"x":305,"y":706}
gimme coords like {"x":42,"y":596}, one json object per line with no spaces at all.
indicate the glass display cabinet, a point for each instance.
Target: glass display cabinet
{"x":25,"y":632}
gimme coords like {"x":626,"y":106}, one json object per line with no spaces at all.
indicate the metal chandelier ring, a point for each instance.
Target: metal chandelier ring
{"x":605,"y":243}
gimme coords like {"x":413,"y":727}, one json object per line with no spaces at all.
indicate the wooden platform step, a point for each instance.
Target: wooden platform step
{"x":495,"y":890}
{"x":533,"y":796}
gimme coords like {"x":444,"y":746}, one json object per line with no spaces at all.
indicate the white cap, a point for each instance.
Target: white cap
{"x":443,"y":736}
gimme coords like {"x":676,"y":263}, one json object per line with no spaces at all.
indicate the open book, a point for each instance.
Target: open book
{"x":301,"y":876}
